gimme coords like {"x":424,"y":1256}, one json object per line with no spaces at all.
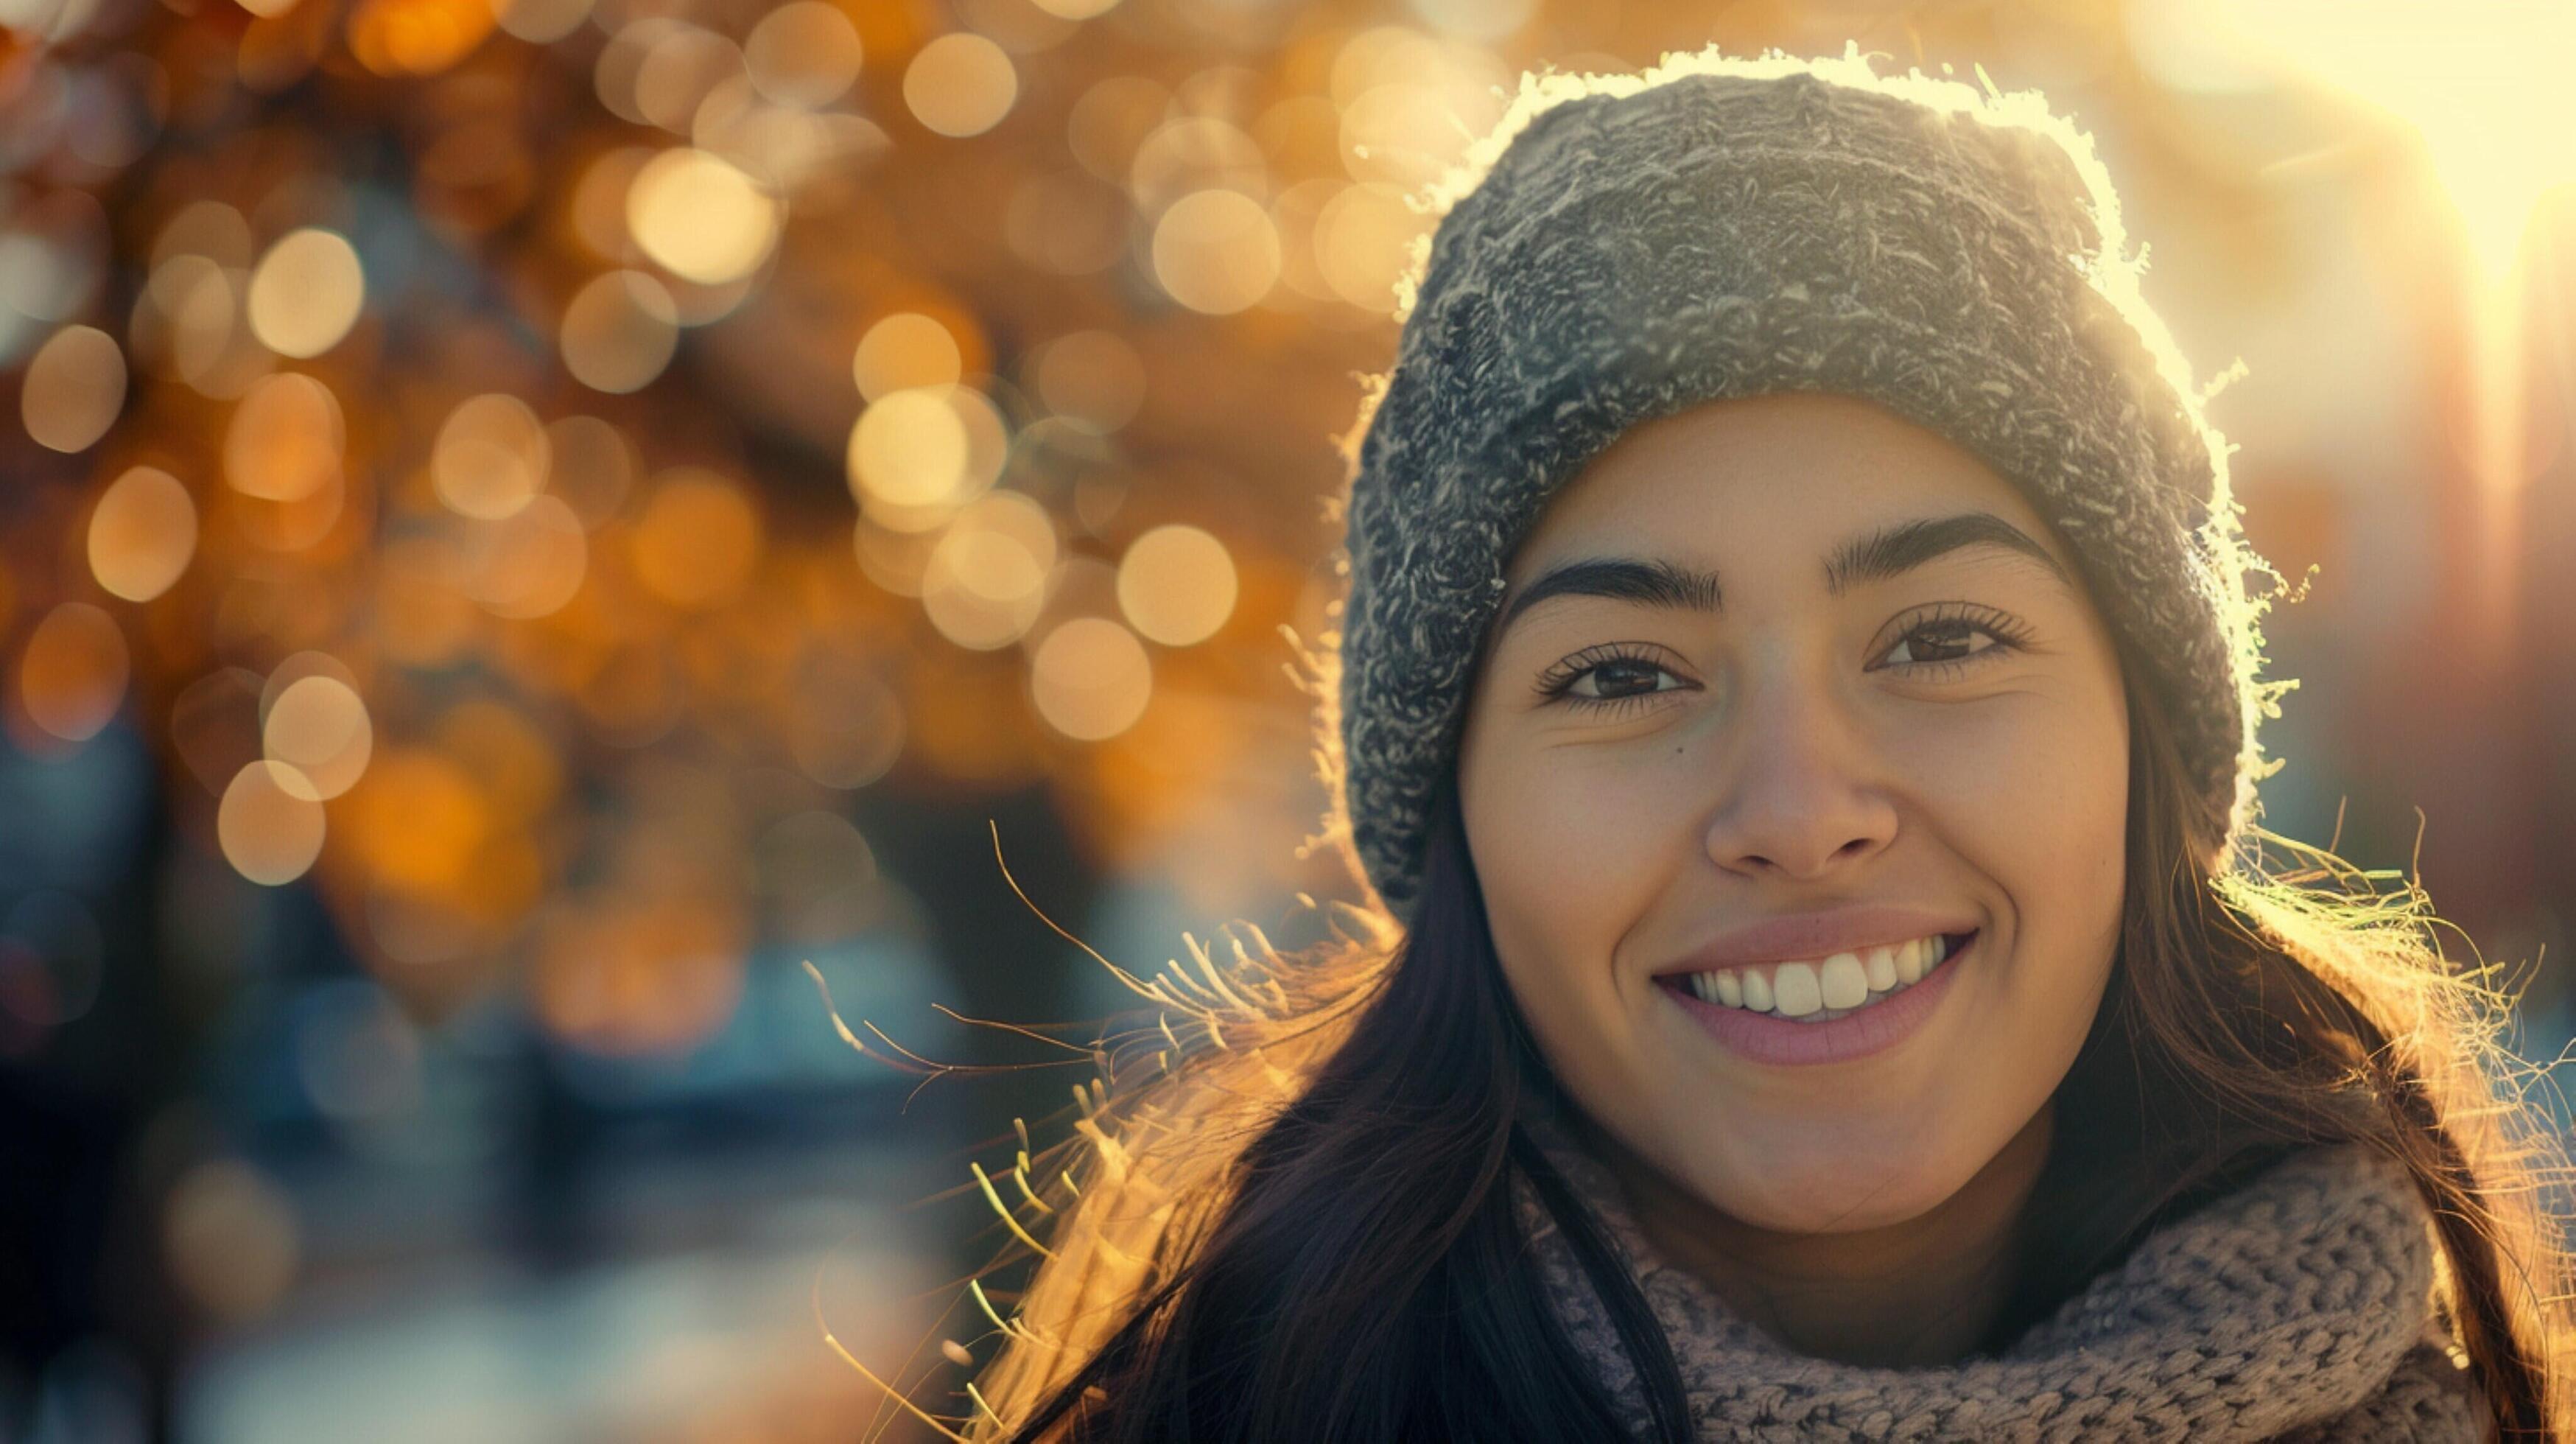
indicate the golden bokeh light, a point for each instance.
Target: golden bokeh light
{"x":1090,"y":678}
{"x":1111,"y":120}
{"x":207,"y":338}
{"x":1176,"y":585}
{"x":794,"y":152}
{"x":142,"y":534}
{"x":231,"y":1239}
{"x":319,"y":726}
{"x":417,"y":819}
{"x":920,"y":453}
{"x":292,"y":526}
{"x":593,"y":467}
{"x":73,"y":389}
{"x":504,"y":368}
{"x":646,"y":975}
{"x":805,"y":53}
{"x":1066,"y":222}
{"x":73,"y":673}
{"x":307,"y":293}
{"x":817,"y":875}
{"x":214,"y":724}
{"x":620,"y":331}
{"x":905,"y":349}
{"x":1364,"y":241}
{"x":1487,"y":20}
{"x":421,"y":37}
{"x":530,"y":563}
{"x":285,"y":439}
{"x":1295,"y":212}
{"x":270,"y":823}
{"x":1409,"y":132}
{"x":596,"y":208}
{"x":960,"y":84}
{"x":701,"y":218}
{"x":416,"y":37}
{"x":614,"y":72}
{"x":1195,"y":153}
{"x":491,"y":457}
{"x":895,"y":560}
{"x":1083,"y":586}
{"x":1093,"y":376}
{"x":1216,"y":251}
{"x":420,"y":615}
{"x":698,"y":538}
{"x":845,"y":727}
{"x":987,"y":577}
{"x":206,"y":228}
{"x":509,"y":755}
{"x":682,"y":66}
{"x":541,"y":22}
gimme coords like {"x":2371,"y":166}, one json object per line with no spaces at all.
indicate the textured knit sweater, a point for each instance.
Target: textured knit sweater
{"x":2296,"y":1307}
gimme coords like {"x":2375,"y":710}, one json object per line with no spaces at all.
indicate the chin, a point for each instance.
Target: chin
{"x":1828,"y":1182}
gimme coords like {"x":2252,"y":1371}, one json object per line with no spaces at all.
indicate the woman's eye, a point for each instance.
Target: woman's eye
{"x":1945,"y":640}
{"x":1625,"y":677}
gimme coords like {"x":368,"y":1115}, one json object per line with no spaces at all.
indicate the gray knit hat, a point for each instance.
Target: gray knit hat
{"x":1621,"y":248}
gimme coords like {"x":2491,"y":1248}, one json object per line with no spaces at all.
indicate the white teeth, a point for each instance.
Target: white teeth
{"x":1834,"y":986}
{"x":1843,"y":981}
{"x":1795,"y":990}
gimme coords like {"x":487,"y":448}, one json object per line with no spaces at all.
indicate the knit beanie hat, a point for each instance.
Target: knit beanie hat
{"x":1622,"y":247}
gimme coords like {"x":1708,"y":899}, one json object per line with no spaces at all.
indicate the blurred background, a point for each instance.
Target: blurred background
{"x":527,"y":524}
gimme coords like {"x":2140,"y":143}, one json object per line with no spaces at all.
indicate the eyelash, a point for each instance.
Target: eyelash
{"x":1558,"y":681}
{"x":2009,"y":636}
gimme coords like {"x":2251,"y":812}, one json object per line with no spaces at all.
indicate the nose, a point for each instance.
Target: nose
{"x":1800,"y":793}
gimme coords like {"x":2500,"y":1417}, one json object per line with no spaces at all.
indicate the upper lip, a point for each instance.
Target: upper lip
{"x":1816,"y":935}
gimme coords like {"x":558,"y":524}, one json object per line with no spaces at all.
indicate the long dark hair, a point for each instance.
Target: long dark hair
{"x":1304,"y":1227}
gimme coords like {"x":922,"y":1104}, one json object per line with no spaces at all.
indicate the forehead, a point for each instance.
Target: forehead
{"x":1782,"y":474}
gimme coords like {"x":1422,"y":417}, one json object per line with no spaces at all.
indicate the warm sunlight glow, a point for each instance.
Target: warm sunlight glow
{"x":2482,"y":81}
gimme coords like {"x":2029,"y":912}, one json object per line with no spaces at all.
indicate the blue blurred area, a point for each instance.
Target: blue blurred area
{"x":246,"y":1196}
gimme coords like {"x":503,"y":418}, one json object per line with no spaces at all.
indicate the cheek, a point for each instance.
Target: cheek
{"x":1570,"y":852}
{"x":2038,"y":804}
{"x":2035,"y":794}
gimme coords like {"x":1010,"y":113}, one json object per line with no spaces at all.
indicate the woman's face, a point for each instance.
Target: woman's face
{"x":1776,"y":681}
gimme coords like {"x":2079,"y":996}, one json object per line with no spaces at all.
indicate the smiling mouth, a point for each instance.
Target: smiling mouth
{"x":1822,"y":990}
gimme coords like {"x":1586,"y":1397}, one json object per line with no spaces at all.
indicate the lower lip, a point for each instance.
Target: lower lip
{"x":1764,"y":1038}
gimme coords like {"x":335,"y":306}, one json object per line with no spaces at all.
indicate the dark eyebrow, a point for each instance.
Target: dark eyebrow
{"x":1894,"y":550}
{"x":1655,"y":583}
{"x":1872,"y":556}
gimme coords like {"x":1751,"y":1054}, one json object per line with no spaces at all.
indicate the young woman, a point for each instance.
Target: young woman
{"x":1796,"y":713}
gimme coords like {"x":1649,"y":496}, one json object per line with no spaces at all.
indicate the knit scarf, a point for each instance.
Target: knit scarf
{"x":2298,"y":1306}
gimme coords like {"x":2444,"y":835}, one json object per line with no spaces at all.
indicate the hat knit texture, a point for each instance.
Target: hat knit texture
{"x":1620,"y":248}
